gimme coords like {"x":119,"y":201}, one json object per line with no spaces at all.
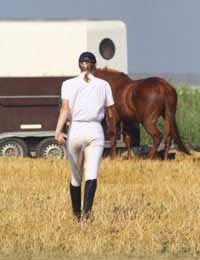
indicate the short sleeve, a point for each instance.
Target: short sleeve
{"x":64,"y":91}
{"x":109,"y":97}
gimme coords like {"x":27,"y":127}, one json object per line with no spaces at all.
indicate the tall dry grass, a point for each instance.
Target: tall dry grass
{"x":142,"y":208}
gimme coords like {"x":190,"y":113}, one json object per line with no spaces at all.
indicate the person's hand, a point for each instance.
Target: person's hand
{"x":59,"y":138}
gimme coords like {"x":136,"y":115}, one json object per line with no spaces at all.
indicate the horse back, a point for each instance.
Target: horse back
{"x":153,"y":89}
{"x":149,"y":97}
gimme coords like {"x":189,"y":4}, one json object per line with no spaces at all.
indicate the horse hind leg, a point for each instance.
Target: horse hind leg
{"x":113,"y":146}
{"x":127,"y":141}
{"x":112,"y":134}
{"x":156,"y":136}
{"x":167,"y":146}
{"x":167,"y":139}
{"x":128,"y":138}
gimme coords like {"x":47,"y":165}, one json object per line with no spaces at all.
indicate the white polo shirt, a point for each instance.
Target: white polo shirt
{"x":87,"y":100}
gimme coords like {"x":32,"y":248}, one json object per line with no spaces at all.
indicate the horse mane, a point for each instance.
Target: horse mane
{"x":111,"y":70}
{"x":114,"y":73}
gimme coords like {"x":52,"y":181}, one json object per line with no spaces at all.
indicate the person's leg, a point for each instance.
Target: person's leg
{"x":75,"y":156}
{"x":75,"y":193}
{"x":89,"y":194}
{"x":92,"y":157}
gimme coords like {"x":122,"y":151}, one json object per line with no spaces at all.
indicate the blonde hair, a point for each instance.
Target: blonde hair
{"x":88,"y":67}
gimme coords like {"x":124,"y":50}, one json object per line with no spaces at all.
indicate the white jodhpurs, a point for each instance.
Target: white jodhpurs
{"x":85,"y":144}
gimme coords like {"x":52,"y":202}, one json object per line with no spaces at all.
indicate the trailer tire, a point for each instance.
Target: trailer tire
{"x":48,"y":148}
{"x":13,"y":147}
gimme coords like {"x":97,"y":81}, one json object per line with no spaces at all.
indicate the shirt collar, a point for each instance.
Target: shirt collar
{"x":89,"y":75}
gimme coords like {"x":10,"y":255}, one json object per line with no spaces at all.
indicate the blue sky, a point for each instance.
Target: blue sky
{"x":163,"y":35}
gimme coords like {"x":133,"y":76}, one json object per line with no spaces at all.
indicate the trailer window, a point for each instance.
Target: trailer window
{"x":107,"y":48}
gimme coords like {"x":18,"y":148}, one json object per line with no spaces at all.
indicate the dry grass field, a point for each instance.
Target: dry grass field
{"x":143,"y":210}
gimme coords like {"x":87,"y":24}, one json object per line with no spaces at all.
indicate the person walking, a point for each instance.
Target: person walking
{"x":85,"y":100}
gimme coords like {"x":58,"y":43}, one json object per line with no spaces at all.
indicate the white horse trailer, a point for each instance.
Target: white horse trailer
{"x":35,"y":57}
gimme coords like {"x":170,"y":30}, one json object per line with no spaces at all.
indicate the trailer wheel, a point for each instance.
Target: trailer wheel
{"x":13,"y":147}
{"x":48,"y":148}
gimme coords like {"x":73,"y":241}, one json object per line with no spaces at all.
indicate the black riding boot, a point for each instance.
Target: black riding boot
{"x":90,"y":188}
{"x":75,"y":193}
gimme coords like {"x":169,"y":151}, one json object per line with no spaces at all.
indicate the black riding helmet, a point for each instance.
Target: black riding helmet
{"x":87,"y":57}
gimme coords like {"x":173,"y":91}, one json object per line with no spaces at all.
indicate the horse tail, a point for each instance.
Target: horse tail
{"x":170,"y":115}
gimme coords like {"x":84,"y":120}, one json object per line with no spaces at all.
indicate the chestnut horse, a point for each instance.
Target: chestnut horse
{"x":142,"y":101}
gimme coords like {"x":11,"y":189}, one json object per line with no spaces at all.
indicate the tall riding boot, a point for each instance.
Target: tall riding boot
{"x":75,"y":193}
{"x":90,"y":188}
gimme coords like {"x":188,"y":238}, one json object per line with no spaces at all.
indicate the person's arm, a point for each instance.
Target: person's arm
{"x":61,"y":121}
{"x":110,"y":114}
{"x":109,"y":101}
{"x":109,"y":111}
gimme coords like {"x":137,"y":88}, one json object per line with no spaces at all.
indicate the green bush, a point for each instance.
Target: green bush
{"x":187,"y":117}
